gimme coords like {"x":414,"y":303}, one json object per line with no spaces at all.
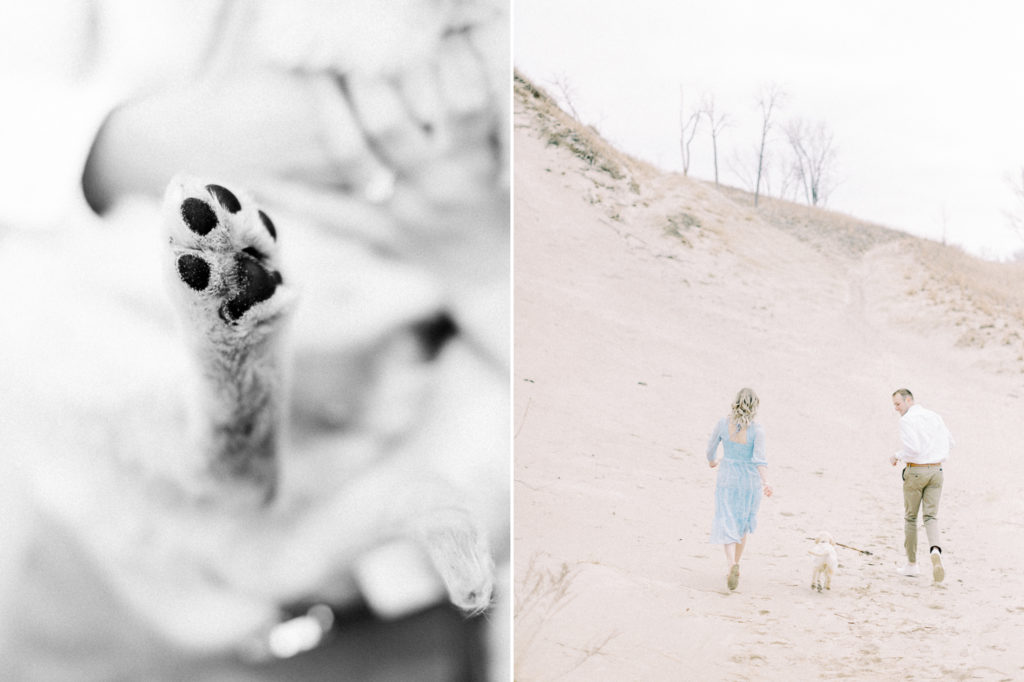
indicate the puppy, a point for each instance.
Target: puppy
{"x":197,"y":494}
{"x":824,"y":563}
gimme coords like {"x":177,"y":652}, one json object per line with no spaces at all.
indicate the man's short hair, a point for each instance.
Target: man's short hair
{"x":905,"y":392}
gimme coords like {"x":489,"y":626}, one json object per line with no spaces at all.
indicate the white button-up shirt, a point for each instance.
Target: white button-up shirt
{"x":923,"y":436}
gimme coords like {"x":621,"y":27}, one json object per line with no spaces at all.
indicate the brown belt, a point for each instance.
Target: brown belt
{"x":933,"y":464}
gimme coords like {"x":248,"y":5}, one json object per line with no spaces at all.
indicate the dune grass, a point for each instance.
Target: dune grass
{"x":990,"y":293}
{"x":540,"y":594}
{"x":585,"y":142}
{"x":995,"y":290}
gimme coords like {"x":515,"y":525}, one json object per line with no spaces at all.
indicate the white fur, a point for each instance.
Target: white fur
{"x":825,"y":562}
{"x":119,"y":500}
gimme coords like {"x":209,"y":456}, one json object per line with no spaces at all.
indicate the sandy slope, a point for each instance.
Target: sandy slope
{"x":630,"y":342}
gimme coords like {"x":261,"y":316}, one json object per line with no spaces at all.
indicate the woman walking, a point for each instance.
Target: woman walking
{"x":741,"y":480}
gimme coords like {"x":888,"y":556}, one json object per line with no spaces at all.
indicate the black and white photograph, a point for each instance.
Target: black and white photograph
{"x":256,"y":353}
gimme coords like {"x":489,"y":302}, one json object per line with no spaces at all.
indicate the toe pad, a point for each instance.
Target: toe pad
{"x":198,"y":216}
{"x":194,"y":271}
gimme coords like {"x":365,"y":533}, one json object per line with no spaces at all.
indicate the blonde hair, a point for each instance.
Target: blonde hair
{"x":744,"y":408}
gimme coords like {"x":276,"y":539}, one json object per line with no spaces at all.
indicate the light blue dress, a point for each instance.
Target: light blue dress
{"x":738,"y":491}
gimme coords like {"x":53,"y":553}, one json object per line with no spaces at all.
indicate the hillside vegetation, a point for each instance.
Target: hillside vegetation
{"x":983,"y":301}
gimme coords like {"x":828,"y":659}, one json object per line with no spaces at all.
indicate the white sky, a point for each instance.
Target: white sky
{"x":925,"y":99}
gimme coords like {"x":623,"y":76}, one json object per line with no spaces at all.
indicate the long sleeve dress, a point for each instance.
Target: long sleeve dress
{"x":738,"y":491}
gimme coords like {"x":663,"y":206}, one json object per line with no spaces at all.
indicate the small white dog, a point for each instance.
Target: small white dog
{"x":825,"y":562}
{"x":200,"y":495}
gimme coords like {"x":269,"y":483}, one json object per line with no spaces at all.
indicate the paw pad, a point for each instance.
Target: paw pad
{"x":226,"y":198}
{"x":198,"y":216}
{"x":255,"y":284}
{"x":269,"y":224}
{"x":194,"y":271}
{"x":225,"y":249}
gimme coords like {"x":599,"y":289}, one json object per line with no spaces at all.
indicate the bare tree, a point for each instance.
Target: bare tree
{"x":740,"y":165}
{"x":688,"y":124}
{"x":568,"y":92}
{"x":789,"y":185}
{"x":717,"y":121}
{"x":767,"y":172}
{"x":770,"y":98}
{"x":814,"y":157}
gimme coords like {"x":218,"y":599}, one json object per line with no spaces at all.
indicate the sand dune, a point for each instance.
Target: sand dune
{"x":643,"y":302}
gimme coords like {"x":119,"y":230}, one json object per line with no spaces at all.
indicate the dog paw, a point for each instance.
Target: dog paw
{"x":461,"y":556}
{"x":223,"y":257}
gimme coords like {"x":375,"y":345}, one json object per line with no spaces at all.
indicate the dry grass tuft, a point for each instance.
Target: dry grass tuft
{"x":830,"y":231}
{"x":585,"y":142}
{"x":681,"y":225}
{"x":995,"y":290}
{"x":539,"y":595}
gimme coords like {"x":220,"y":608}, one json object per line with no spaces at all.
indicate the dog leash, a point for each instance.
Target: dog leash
{"x":862,"y":551}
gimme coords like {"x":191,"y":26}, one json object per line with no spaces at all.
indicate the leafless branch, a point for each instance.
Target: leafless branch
{"x":717,"y":121}
{"x":688,"y":124}
{"x":814,"y":158}
{"x":568,"y":93}
{"x":770,"y":98}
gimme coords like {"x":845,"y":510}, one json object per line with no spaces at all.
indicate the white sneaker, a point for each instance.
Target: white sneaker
{"x":938,"y":573}
{"x":909,"y":569}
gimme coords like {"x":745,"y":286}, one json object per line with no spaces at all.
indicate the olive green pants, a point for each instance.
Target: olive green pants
{"x":922,"y":488}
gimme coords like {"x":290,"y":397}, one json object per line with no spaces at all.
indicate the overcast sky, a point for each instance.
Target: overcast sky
{"x":925,"y":99}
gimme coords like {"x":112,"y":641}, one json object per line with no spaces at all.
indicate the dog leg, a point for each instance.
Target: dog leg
{"x":460,"y":554}
{"x":394,"y":501}
{"x":232,"y":302}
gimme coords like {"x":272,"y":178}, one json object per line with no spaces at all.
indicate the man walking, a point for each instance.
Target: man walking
{"x":925,"y":443}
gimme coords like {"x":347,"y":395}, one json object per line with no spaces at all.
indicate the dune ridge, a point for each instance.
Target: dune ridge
{"x":643,"y":302}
